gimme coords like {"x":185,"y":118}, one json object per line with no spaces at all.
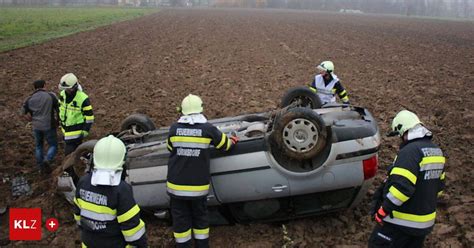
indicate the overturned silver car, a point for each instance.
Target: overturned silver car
{"x":302,"y":159}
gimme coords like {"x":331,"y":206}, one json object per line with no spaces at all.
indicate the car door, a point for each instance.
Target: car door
{"x":247,"y":177}
{"x":147,"y":175}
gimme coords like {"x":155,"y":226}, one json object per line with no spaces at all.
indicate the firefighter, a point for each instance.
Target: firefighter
{"x":75,"y":115}
{"x":104,"y":207}
{"x":188,"y":176}
{"x":326,"y":84}
{"x":405,"y":207}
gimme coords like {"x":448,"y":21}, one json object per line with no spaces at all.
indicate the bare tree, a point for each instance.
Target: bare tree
{"x":466,"y":8}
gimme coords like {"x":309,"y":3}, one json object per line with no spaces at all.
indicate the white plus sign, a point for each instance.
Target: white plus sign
{"x":52,"y":224}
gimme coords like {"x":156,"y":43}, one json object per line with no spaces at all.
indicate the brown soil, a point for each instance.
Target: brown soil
{"x":241,"y":61}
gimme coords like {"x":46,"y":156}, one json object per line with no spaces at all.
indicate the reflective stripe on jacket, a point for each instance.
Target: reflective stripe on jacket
{"x":108,"y":215}
{"x":327,"y":92}
{"x":188,"y":165}
{"x":413,"y":185}
{"x":75,"y":116}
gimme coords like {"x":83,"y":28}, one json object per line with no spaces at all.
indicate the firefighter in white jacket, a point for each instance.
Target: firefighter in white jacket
{"x":327,"y":85}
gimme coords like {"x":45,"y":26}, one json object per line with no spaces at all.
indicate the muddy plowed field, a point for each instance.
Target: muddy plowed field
{"x":241,"y":61}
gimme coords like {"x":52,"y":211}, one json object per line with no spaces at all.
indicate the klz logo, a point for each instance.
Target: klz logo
{"x":25,"y":224}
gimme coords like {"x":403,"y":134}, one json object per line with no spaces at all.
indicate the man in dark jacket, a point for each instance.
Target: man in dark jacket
{"x":42,"y":106}
{"x":406,"y":209}
{"x":188,"y":177}
{"x":104,"y":207}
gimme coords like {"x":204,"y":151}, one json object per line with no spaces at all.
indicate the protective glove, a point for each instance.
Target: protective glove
{"x":84,"y":133}
{"x":377,"y":199}
{"x":234,"y":139}
{"x":380,"y":215}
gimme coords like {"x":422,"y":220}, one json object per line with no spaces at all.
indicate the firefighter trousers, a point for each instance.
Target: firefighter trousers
{"x":389,"y":236}
{"x":69,"y":148}
{"x":190,"y":219}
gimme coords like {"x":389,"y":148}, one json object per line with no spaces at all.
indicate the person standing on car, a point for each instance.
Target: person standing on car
{"x":326,"y":84}
{"x":104,"y":207}
{"x":405,"y":204}
{"x":188,"y":178}
{"x":42,"y":108}
{"x":75,"y":115}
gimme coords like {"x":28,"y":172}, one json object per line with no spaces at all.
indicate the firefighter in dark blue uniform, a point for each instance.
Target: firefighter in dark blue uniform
{"x":104,"y":207}
{"x":188,"y":177}
{"x":404,"y":206}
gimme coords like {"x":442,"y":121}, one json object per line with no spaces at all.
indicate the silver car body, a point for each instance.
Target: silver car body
{"x":255,"y":174}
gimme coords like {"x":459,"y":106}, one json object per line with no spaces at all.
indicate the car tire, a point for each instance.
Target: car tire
{"x":84,"y":150}
{"x":309,"y":98}
{"x":299,"y":133}
{"x":140,"y":122}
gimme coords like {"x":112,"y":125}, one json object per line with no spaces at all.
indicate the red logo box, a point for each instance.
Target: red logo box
{"x":25,"y":224}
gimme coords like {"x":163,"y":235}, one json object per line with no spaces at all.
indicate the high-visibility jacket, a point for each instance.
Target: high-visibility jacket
{"x":188,"y":165}
{"x":327,"y":90}
{"x":108,"y":215}
{"x":414,"y":182}
{"x":75,"y":114}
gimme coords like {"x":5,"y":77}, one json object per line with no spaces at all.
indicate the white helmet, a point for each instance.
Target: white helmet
{"x":404,"y":121}
{"x":109,"y":154}
{"x":326,"y":66}
{"x":191,"y":104}
{"x":68,"y":81}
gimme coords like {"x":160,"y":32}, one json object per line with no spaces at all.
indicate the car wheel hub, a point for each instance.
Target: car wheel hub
{"x":305,"y":102}
{"x":136,"y":129}
{"x":300,"y":135}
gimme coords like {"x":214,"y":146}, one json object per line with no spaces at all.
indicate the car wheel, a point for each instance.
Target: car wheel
{"x":307,"y":98}
{"x":299,"y":133}
{"x":80,"y":159}
{"x":138,"y":123}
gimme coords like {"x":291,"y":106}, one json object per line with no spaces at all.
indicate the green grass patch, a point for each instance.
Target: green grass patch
{"x":24,"y":26}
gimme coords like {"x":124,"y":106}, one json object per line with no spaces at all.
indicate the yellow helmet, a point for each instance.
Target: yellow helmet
{"x":404,"y":121}
{"x":191,"y":104}
{"x":109,"y":153}
{"x":67,"y":81}
{"x":326,"y":66}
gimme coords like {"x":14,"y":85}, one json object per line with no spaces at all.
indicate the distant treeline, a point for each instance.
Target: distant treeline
{"x":59,"y":2}
{"x":435,"y":8}
{"x":81,"y":2}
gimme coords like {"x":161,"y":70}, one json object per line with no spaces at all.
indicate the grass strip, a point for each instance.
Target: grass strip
{"x":24,"y":26}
